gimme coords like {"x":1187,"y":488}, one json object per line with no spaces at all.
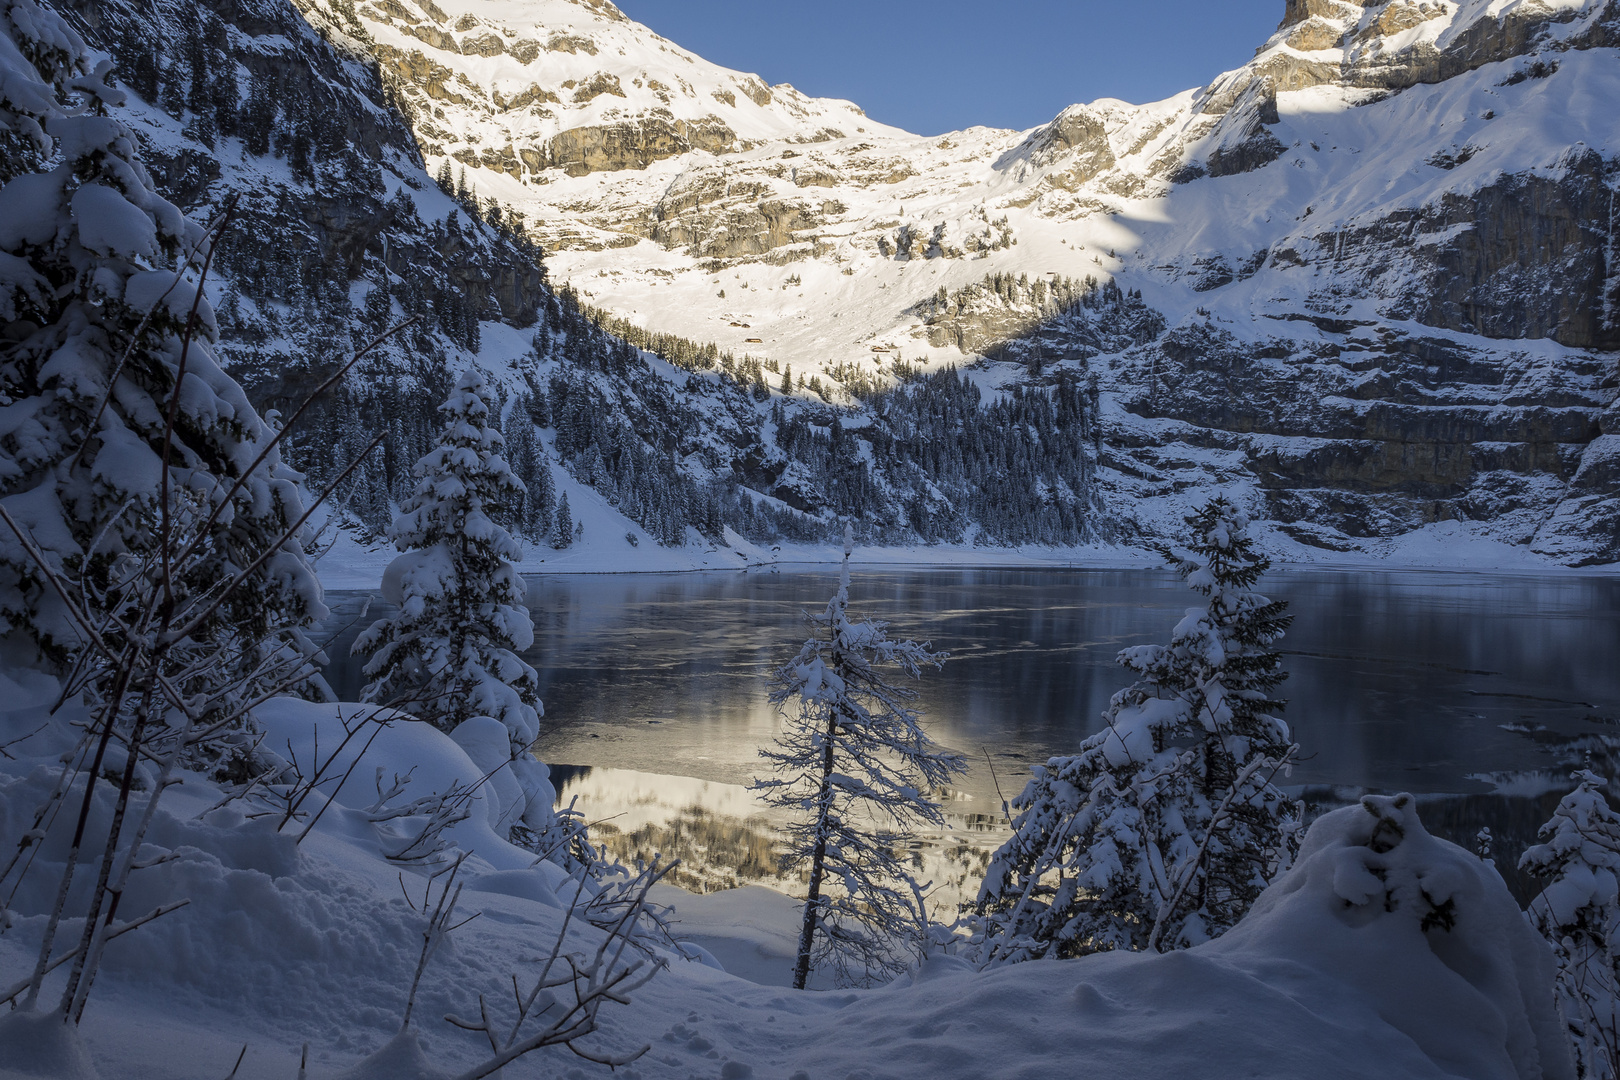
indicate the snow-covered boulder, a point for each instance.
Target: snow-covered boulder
{"x":314,"y":736}
{"x":540,"y":795}
{"x":484,"y":739}
{"x":1423,"y":932}
{"x":38,"y":1044}
{"x":1383,"y":952}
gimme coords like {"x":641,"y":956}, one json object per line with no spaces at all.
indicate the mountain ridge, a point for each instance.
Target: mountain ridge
{"x":1363,"y":311}
{"x":1435,"y":177}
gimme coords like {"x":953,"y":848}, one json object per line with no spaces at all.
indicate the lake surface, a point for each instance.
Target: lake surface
{"x":1480,"y":691}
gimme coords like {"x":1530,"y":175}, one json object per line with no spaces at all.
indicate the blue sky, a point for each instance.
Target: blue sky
{"x":932,"y":66}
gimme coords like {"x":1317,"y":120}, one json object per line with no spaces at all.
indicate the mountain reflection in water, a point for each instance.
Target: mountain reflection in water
{"x":725,"y":838}
{"x":1479,"y":692}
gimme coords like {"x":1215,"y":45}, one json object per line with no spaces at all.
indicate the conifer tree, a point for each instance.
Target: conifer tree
{"x":257,"y":117}
{"x":562,"y":530}
{"x":449,"y":653}
{"x":451,"y":650}
{"x":151,"y":543}
{"x":100,"y":323}
{"x":1167,"y":825}
{"x":1579,"y":915}
{"x":527,"y":457}
{"x":543,"y":495}
{"x":854,"y":762}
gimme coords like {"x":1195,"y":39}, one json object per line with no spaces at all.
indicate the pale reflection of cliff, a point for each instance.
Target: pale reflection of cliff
{"x":726,"y":838}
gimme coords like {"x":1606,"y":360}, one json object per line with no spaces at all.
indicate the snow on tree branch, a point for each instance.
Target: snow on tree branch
{"x":1166,"y":826}
{"x":857,"y":769}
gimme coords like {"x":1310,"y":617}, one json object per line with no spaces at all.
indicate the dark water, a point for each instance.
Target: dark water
{"x":1479,"y":690}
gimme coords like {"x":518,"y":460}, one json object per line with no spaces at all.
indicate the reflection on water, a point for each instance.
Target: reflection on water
{"x":1483,"y":688}
{"x":721,"y":835}
{"x":726,"y":838}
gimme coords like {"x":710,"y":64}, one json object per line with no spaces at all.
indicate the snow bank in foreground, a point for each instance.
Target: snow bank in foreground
{"x":1384,"y":952}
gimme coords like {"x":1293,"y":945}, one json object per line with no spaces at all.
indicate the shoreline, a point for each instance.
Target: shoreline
{"x":349,"y":565}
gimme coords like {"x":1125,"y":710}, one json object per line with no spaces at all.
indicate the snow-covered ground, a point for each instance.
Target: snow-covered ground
{"x":1332,"y":975}
{"x":352,"y":562}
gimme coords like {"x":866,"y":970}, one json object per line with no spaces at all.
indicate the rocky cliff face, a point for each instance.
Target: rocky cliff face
{"x":246,"y":97}
{"x":1371,"y":275}
{"x":336,"y":230}
{"x":1462,"y":352}
{"x":1371,"y":278}
{"x":285,"y":114}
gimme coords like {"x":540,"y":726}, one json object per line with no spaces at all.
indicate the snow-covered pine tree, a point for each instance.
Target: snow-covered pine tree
{"x":854,"y":764}
{"x":97,"y":290}
{"x":528,"y":460}
{"x":1165,"y":827}
{"x":151,"y":546}
{"x":562,"y":528}
{"x":449,"y":653}
{"x":1579,"y":915}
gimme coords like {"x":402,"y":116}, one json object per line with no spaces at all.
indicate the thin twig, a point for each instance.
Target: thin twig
{"x":116,"y":932}
{"x":196,"y":621}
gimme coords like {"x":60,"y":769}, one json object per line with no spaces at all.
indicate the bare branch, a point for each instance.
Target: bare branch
{"x":118,"y":931}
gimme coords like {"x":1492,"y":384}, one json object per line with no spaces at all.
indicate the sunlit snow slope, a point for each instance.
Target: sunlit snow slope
{"x":1377,"y":262}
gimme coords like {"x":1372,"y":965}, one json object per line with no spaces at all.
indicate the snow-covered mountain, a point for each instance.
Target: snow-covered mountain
{"x":1368,"y":281}
{"x":1369,"y":276}
{"x":338,"y":231}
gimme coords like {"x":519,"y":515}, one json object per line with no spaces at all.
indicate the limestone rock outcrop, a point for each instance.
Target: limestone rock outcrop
{"x":1370,"y":278}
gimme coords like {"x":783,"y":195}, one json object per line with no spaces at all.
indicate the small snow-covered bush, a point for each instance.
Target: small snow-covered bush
{"x":1579,"y":915}
{"x":1167,"y":825}
{"x":1414,"y":931}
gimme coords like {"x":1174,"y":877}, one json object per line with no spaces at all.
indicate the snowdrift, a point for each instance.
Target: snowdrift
{"x":1384,"y":951}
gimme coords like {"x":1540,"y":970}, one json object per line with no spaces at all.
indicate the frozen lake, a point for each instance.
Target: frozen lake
{"x":1479,"y":690}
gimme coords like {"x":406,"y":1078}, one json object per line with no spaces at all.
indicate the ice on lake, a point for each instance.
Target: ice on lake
{"x":1478,"y":692}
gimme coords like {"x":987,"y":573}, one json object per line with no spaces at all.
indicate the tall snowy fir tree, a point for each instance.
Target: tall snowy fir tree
{"x":532,"y":514}
{"x":449,"y":653}
{"x":562,"y":525}
{"x":1579,"y":915}
{"x":1165,"y":827}
{"x":124,"y":435}
{"x":857,"y":770}
{"x":152,"y":544}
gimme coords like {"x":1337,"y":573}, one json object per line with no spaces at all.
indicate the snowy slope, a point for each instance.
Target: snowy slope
{"x":1341,"y":970}
{"x":1427,"y":186}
